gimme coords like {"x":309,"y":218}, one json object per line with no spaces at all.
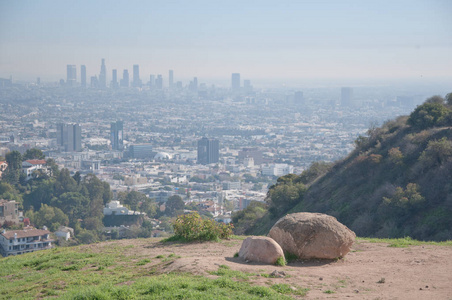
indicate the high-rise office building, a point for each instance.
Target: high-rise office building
{"x":247,"y":87}
{"x":171,"y":78}
{"x":152,"y":81}
{"x":125,"y":79}
{"x":347,"y":96}
{"x":136,"y":82}
{"x":298,"y":98}
{"x":71,"y":75}
{"x":235,"y":81}
{"x":159,"y":82}
{"x":114,"y":78}
{"x":208,"y":151}
{"x":69,"y":137}
{"x":83,"y":75}
{"x":116,"y":135}
{"x":103,"y":75}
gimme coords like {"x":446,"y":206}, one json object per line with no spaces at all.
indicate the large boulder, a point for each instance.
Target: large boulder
{"x":312,"y":235}
{"x":260,"y":249}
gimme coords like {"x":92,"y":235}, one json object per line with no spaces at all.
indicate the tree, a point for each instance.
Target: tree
{"x":33,"y":153}
{"x":246,"y":218}
{"x":73,"y":204}
{"x":449,"y":99}
{"x":174,"y":206}
{"x":435,"y":99}
{"x":47,"y":216}
{"x":282,"y":197}
{"x":437,"y":152}
{"x":65,"y":183}
{"x":429,"y":115}
{"x":14,"y":161}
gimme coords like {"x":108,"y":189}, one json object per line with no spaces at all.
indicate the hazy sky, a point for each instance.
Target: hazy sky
{"x":259,"y":39}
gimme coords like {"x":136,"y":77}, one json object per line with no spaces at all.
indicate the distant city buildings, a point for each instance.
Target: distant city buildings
{"x":277,"y":169}
{"x":114,"y":78}
{"x":170,"y":78}
{"x":69,"y":137}
{"x":141,"y":151}
{"x":235,"y":81}
{"x":71,"y":75}
{"x":103,"y":75}
{"x":125,"y":79}
{"x":208,"y":151}
{"x":83,"y":76}
{"x":347,"y":98}
{"x":159,"y":82}
{"x":116,"y":135}
{"x":136,"y":76}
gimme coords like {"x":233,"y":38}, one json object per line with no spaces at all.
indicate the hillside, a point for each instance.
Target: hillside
{"x":151,"y":269}
{"x":396,"y":183}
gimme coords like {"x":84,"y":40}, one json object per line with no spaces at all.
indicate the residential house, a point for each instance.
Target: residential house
{"x":14,"y":242}
{"x":9,"y":211}
{"x":32,"y":165}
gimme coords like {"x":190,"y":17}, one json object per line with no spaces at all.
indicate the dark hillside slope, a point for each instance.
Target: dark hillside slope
{"x":396,"y":183}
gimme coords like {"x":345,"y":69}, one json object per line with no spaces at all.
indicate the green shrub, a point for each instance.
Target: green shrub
{"x":281,"y":261}
{"x":192,"y":227}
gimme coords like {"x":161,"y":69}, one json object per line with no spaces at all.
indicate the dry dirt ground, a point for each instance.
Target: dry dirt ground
{"x":369,"y":271}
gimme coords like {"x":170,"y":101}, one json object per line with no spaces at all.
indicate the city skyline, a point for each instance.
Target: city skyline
{"x":299,"y":40}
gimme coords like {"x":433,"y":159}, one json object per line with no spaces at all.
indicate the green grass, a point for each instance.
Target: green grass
{"x":281,"y":261}
{"x":109,"y":271}
{"x":404,"y":242}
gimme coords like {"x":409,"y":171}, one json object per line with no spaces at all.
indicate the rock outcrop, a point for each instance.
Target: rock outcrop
{"x":312,"y":235}
{"x":260,"y":249}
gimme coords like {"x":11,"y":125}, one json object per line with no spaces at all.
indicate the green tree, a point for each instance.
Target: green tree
{"x":65,"y":183}
{"x":429,"y":115}
{"x":47,"y":216}
{"x":246,"y":218}
{"x":12,"y":172}
{"x":282,"y":197}
{"x":174,"y":206}
{"x":73,"y":204}
{"x":33,"y":153}
{"x":437,"y":152}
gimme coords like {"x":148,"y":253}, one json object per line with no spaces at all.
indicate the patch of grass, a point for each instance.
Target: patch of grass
{"x":236,"y":254}
{"x":143,"y":262}
{"x":225,"y":271}
{"x":329,"y":292}
{"x":281,"y":261}
{"x":382,"y":280}
{"x":290,"y":257}
{"x":160,"y":256}
{"x":404,"y":242}
{"x":97,"y":274}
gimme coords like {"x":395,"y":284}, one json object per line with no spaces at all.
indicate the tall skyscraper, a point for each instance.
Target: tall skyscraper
{"x":83,"y":75}
{"x":171,"y":79}
{"x":152,"y":81}
{"x":159,"y":82}
{"x":347,"y":96}
{"x":235,"y":81}
{"x":298,"y":98}
{"x":103,"y":75}
{"x":136,"y":76}
{"x":71,"y":75}
{"x":208,"y":151}
{"x":116,"y":135}
{"x":125,"y":79}
{"x":114,"y":78}
{"x":69,"y":137}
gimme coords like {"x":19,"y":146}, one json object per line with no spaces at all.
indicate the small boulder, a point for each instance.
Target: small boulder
{"x":260,"y":249}
{"x":313,"y":235}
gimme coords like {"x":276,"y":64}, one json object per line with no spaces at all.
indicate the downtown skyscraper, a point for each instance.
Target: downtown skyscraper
{"x":103,"y":75}
{"x":71,"y":75}
{"x":235,"y":81}
{"x":83,"y":75}
{"x":136,"y":76}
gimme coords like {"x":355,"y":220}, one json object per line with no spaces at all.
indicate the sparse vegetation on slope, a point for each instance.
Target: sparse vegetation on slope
{"x":396,"y":183}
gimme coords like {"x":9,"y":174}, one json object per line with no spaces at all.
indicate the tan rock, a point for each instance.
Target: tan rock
{"x":260,"y":249}
{"x":313,"y":235}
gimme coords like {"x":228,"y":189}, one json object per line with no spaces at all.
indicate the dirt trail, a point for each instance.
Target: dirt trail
{"x":369,"y":271}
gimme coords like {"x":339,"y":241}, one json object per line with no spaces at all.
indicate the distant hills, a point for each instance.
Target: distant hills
{"x":396,"y":183}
